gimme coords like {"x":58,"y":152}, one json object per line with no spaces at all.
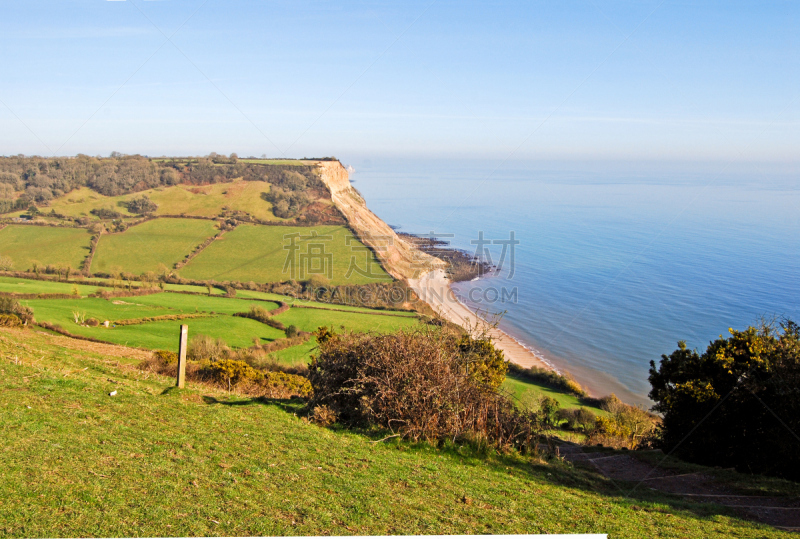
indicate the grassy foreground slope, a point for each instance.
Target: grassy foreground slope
{"x":153,"y":461}
{"x":143,"y":247}
{"x":25,"y":244}
{"x":258,"y":253}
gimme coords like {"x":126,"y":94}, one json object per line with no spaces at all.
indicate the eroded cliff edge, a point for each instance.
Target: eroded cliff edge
{"x":400,"y":259}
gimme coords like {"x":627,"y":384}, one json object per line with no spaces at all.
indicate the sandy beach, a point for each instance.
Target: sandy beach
{"x":434,"y":288}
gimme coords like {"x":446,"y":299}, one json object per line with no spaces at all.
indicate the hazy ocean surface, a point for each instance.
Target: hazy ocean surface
{"x":614,"y":265}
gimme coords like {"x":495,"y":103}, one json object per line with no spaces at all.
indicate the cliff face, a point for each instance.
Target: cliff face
{"x":400,"y":259}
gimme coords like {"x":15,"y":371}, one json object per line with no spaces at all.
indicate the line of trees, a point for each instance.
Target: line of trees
{"x":38,"y":180}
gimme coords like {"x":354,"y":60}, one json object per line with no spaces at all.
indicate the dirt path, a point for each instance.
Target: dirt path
{"x":780,"y":512}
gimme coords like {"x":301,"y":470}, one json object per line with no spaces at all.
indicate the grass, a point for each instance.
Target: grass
{"x":527,"y":393}
{"x":25,"y":244}
{"x":154,"y":461}
{"x":59,"y":311}
{"x":144,"y":247}
{"x":33,"y":286}
{"x":296,"y":354}
{"x":311,"y":319}
{"x":257,"y":253}
{"x":316,"y":304}
{"x":203,"y":201}
{"x":189,"y":303}
{"x":237,"y":332}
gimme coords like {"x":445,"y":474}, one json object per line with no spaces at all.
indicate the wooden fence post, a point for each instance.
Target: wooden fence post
{"x":182,"y":355}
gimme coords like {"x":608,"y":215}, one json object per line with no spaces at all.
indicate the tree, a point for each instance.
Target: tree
{"x":736,"y":404}
{"x":141,"y":205}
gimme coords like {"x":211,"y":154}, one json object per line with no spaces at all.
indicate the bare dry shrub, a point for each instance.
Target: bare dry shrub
{"x":323,"y":416}
{"x":418,"y":383}
{"x":205,"y":347}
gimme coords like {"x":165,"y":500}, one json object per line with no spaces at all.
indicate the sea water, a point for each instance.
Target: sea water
{"x":616,"y":262}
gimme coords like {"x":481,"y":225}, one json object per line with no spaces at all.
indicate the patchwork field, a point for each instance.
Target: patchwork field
{"x":25,"y":244}
{"x":203,"y":200}
{"x":218,"y":323}
{"x":143,"y":247}
{"x":259,"y":253}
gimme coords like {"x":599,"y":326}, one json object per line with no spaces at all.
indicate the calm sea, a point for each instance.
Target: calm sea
{"x":615,"y":262}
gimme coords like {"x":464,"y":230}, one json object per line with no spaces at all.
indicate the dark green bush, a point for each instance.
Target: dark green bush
{"x":737,"y":403}
{"x":141,"y":205}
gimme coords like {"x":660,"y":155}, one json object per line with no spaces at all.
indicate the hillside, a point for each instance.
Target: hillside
{"x":155,"y":461}
{"x":113,"y":195}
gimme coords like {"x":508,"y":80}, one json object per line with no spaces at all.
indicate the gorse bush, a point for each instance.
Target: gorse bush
{"x":11,"y":306}
{"x":485,"y":363}
{"x":419,"y":383}
{"x":10,"y":320}
{"x":231,"y":372}
{"x":736,"y":404}
{"x":627,"y":427}
{"x":231,"y":375}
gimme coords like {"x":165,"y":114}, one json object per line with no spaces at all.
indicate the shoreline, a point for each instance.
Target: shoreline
{"x":434,"y":289}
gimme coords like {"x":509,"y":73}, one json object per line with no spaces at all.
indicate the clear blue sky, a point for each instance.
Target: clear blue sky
{"x":675,"y":80}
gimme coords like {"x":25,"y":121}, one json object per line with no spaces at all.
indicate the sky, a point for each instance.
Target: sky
{"x":657,"y":80}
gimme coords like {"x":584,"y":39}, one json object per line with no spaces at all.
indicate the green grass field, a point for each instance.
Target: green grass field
{"x":236,"y":332}
{"x":31,"y":286}
{"x":203,"y":201}
{"x":257,"y":253}
{"x":153,"y":461}
{"x":311,"y":319}
{"x":296,"y":355}
{"x":315,"y":304}
{"x":188,"y":303}
{"x":143,"y":247}
{"x":25,"y":244}
{"x":526,"y":393}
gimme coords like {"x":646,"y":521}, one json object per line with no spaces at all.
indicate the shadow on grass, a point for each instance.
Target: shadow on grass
{"x":292,"y":405}
{"x":542,"y":467}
